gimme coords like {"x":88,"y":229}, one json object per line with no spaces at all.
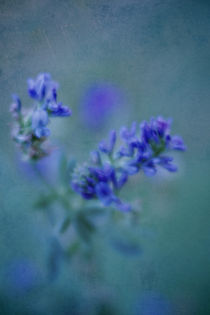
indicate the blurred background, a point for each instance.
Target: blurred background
{"x":116,"y":61}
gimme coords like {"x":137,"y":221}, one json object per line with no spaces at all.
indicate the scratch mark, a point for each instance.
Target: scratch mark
{"x":49,"y":44}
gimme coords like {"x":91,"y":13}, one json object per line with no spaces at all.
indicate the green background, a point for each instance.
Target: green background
{"x":157,"y":53}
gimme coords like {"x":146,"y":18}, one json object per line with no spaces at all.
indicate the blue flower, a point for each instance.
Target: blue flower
{"x":39,"y":122}
{"x":152,"y":303}
{"x":40,"y":87}
{"x":107,"y":147}
{"x":128,"y":134}
{"x":165,"y":162}
{"x":22,"y":275}
{"x":16,"y":106}
{"x":44,"y":90}
{"x":155,"y":131}
{"x":177,"y":143}
{"x":100,"y":180}
{"x":104,"y":176}
{"x":98,"y":103}
{"x":95,"y":157}
{"x":105,"y":193}
{"x":53,"y":107}
{"x":119,"y":177}
{"x":122,"y":206}
{"x":58,"y":110}
{"x":30,"y":130}
{"x":83,"y":182}
{"x":96,"y":182}
{"x":131,"y":141}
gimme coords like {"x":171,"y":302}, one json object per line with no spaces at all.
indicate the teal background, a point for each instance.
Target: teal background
{"x":157,"y":54}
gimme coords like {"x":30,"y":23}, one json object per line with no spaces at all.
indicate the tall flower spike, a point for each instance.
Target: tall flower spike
{"x":103,"y":178}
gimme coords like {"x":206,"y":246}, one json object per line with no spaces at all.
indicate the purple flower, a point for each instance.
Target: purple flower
{"x":122,"y":206}
{"x":30,"y":130}
{"x":152,"y":303}
{"x":93,"y":182}
{"x":101,"y":181}
{"x":161,"y":125}
{"x":107,"y":147}
{"x":39,"y":122}
{"x":128,"y":134}
{"x":104,"y":176}
{"x":131,"y":141}
{"x":146,"y":151}
{"x":177,"y":143}
{"x":16,"y":106}
{"x":155,"y":130}
{"x":165,"y":162}
{"x":98,"y":103}
{"x":83,"y":182}
{"x":22,"y":275}
{"x":119,"y":177}
{"x":54,"y":108}
{"x":40,"y":87}
{"x":149,"y":168}
{"x":58,"y":110}
{"x":95,"y":157}
{"x":105,"y":193}
{"x":125,"y":247}
{"x":44,"y":90}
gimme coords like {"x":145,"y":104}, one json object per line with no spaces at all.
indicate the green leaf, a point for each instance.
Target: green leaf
{"x":73,"y":248}
{"x":66,"y":168}
{"x":93,"y":211}
{"x":55,"y":257}
{"x":63,"y":166}
{"x":85,"y":227}
{"x":65,"y":225}
{"x":44,"y":201}
{"x":126,"y":247}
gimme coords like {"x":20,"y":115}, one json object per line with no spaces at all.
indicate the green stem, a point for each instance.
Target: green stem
{"x":53,"y":191}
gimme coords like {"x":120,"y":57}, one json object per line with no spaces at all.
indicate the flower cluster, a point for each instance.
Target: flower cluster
{"x":109,"y":168}
{"x":31,"y":128}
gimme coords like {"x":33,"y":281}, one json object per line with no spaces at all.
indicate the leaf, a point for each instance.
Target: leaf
{"x":127,"y":248}
{"x":66,"y":223}
{"x":54,"y":259}
{"x":63,"y":166}
{"x":73,"y":248}
{"x":44,"y":201}
{"x":84,"y":227}
{"x":65,"y":169}
{"x":93,"y":211}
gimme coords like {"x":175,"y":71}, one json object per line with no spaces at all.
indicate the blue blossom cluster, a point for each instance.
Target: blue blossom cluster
{"x":31,"y":128}
{"x":109,"y":167}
